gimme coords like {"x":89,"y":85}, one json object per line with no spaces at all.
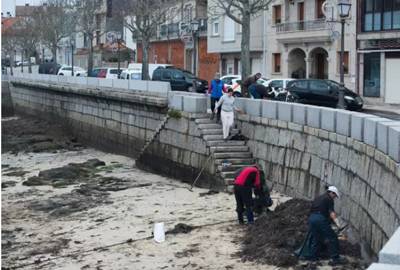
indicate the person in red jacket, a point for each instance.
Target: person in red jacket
{"x":247,"y":178}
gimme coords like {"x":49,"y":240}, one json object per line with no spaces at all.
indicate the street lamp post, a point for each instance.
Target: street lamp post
{"x":119,"y":36}
{"x":195,"y":27}
{"x":72,"y":42}
{"x":344,"y":10}
{"x":43,"y":59}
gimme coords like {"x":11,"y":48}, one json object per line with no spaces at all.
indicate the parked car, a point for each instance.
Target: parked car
{"x":235,"y":81}
{"x":180,"y":80}
{"x":5,"y":62}
{"x":131,"y":74}
{"x":280,"y":83}
{"x":109,"y":73}
{"x":322,"y":93}
{"x":48,"y":68}
{"x":152,"y":67}
{"x":67,"y":71}
{"x":96,"y":71}
{"x":24,"y":63}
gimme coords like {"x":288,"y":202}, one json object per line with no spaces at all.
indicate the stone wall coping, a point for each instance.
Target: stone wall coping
{"x":380,"y":266}
{"x":390,"y":253}
{"x":101,"y":93}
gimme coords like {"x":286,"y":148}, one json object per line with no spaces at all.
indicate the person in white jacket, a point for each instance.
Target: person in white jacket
{"x":228,"y":105}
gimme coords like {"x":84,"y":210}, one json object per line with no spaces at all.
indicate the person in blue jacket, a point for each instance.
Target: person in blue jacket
{"x":217,"y":89}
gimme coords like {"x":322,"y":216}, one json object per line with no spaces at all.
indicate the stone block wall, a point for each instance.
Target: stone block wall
{"x":7,"y":109}
{"x":180,"y":151}
{"x":302,"y":148}
{"x":108,"y":119}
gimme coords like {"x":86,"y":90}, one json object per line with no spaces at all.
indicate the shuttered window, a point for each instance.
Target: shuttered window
{"x":229,"y":29}
{"x":277,"y":62}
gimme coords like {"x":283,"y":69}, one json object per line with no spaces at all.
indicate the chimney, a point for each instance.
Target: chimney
{"x":9,"y":14}
{"x":2,"y":14}
{"x":27,"y":5}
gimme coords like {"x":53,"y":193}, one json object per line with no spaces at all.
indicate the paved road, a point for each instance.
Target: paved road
{"x":395,"y":117}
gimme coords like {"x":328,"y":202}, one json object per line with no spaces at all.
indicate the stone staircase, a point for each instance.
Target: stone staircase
{"x":236,"y":152}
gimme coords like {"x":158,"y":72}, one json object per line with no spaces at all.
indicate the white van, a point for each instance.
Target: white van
{"x":152,"y":67}
{"x":131,"y":74}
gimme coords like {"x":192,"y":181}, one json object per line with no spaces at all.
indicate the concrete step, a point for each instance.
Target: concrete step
{"x":229,"y":188}
{"x":210,"y":126}
{"x":228,"y":143}
{"x":217,"y":131}
{"x":231,"y":155}
{"x":229,"y":181}
{"x":232,"y":168}
{"x":227,"y":175}
{"x":220,"y":149}
{"x":213,"y":137}
{"x":206,"y":121}
{"x":235,"y":161}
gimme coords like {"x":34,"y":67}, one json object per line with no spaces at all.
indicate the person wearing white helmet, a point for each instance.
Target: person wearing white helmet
{"x":322,"y":210}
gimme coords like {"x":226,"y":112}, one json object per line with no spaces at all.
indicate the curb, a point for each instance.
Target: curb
{"x":379,"y":111}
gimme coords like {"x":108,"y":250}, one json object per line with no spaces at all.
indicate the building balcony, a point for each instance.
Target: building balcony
{"x":303,"y":32}
{"x":172,"y":30}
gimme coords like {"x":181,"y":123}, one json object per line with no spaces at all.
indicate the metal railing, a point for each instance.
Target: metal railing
{"x":172,"y":29}
{"x":300,"y":26}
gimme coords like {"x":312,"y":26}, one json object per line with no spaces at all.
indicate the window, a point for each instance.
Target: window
{"x":239,"y":26}
{"x":113,"y":71}
{"x":276,"y":83}
{"x":372,"y":74}
{"x":227,"y":80}
{"x":136,"y":76}
{"x":166,"y":75}
{"x":215,"y":28}
{"x":318,"y":86}
{"x":345,"y":63}
{"x":299,"y":84}
{"x":229,"y":29}
{"x":157,"y":75}
{"x":277,"y":14}
{"x":97,"y":37}
{"x":381,"y":15}
{"x":277,"y":62}
{"x":319,"y":13}
{"x":178,"y":76}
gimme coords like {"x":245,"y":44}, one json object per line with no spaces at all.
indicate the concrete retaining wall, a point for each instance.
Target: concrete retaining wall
{"x":108,"y":119}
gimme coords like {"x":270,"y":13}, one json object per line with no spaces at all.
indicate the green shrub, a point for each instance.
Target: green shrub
{"x":174,"y":113}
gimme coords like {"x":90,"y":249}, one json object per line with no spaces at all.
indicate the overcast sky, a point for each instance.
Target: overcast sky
{"x":9,"y":5}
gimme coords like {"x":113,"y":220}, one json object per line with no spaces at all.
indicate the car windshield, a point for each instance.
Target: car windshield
{"x":332,"y":83}
{"x":189,"y":75}
{"x":79,"y":69}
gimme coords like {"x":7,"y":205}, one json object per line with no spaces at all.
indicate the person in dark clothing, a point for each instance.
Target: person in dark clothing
{"x":259,"y":91}
{"x":217,"y":89}
{"x":247,"y":178}
{"x":247,"y":82}
{"x":321,"y":210}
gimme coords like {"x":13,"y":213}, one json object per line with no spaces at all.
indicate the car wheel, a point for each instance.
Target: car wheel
{"x":77,"y":75}
{"x":293,"y":99}
{"x":190,"y":89}
{"x":61,"y":74}
{"x":237,"y":94}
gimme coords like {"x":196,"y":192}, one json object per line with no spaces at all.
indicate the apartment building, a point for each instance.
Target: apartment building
{"x":301,"y":44}
{"x":378,"y":41}
{"x":224,"y":38}
{"x":167,"y":47}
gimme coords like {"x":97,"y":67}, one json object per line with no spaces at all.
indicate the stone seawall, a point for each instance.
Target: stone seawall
{"x":7,"y":109}
{"x":105,"y":118}
{"x":180,"y":151}
{"x":300,"y":160}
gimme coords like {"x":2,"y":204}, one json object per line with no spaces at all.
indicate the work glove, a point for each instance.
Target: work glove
{"x":215,"y":110}
{"x":205,"y":94}
{"x":336,"y":220}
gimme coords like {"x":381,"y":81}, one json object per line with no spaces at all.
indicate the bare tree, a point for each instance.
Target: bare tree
{"x":248,"y":10}
{"x":8,"y":44}
{"x":90,"y":22}
{"x":142,"y":18}
{"x":54,"y":20}
{"x":26,"y":37}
